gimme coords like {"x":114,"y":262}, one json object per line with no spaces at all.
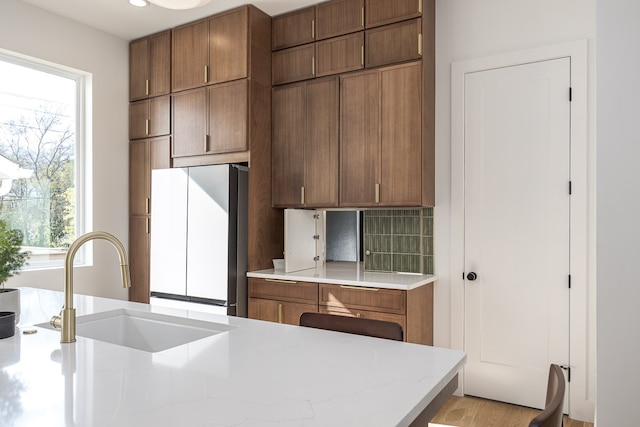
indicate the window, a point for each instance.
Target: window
{"x":41,"y":122}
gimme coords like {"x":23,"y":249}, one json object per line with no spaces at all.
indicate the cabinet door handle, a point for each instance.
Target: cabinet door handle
{"x":313,"y":65}
{"x":147,"y":222}
{"x":313,"y":28}
{"x":362,"y":16}
{"x":362,"y":55}
{"x":420,"y":6}
{"x":147,"y":205}
{"x":146,"y":127}
{"x":146,"y":87}
{"x":279,"y":313}
{"x":302,"y":195}
{"x":206,"y":143}
{"x":377,"y":193}
{"x":360,"y":288}
{"x":291,"y":282}
{"x":420,"y":44}
{"x":206,"y":74}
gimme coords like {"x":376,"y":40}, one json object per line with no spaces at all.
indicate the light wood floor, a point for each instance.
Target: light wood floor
{"x":470,"y":411}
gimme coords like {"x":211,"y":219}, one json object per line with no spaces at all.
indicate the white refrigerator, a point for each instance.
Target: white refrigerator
{"x":199,"y":235}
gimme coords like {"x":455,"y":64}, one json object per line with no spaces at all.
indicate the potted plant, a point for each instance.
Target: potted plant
{"x":12,"y":258}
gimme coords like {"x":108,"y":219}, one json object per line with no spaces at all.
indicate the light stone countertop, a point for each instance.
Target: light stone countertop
{"x":349,"y":273}
{"x":256,"y":374}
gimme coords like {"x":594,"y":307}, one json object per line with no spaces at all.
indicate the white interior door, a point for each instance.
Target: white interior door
{"x":517,"y":159}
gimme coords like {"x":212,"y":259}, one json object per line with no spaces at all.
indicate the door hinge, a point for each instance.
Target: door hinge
{"x":568,"y":369}
{"x":569,"y":187}
{"x":570,"y":94}
{"x":569,"y":281}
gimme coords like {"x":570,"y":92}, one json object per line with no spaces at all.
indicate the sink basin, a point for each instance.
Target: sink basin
{"x":146,"y":331}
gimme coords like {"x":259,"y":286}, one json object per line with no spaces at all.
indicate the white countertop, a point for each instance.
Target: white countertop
{"x":257,"y":374}
{"x":349,"y":273}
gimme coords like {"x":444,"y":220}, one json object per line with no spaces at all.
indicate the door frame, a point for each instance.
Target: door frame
{"x":581,"y":306}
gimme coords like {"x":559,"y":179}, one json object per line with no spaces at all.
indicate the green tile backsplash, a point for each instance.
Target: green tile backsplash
{"x":399,"y":240}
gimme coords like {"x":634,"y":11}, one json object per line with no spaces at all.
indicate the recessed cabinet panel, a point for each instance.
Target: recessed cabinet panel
{"x":293,"y":29}
{"x":359,"y":139}
{"x":380,"y":12}
{"x":393,"y":43}
{"x":149,"y":117}
{"x":340,"y":54}
{"x":294,"y":64}
{"x":338,"y":17}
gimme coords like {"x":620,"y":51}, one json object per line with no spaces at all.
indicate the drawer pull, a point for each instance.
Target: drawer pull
{"x":360,"y":288}
{"x":279,"y":313}
{"x":291,"y":282}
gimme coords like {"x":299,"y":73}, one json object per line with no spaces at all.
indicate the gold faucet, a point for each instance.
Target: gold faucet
{"x":66,"y":321}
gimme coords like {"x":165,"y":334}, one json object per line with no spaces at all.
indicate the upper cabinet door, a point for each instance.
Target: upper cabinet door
{"x":381,"y":12}
{"x":393,"y":43}
{"x":228,"y":47}
{"x":338,"y":17}
{"x":359,"y":139}
{"x":294,"y":64}
{"x":340,"y":54}
{"x":401,"y":135}
{"x":228,"y":109}
{"x":190,"y":56}
{"x":149,"y":66}
{"x":189,"y":118}
{"x":294,"y":28}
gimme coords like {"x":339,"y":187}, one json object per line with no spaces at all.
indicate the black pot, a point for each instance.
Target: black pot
{"x":7,"y":324}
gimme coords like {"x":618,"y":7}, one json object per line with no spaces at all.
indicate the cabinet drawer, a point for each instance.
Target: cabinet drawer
{"x":278,"y":311}
{"x":340,"y":54}
{"x":284,"y":290}
{"x":364,"y":314}
{"x":393,"y":43}
{"x":362,"y":298}
{"x":294,"y":64}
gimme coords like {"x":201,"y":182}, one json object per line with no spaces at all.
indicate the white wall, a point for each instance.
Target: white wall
{"x":34,"y":32}
{"x":618,"y":211}
{"x":469,"y":29}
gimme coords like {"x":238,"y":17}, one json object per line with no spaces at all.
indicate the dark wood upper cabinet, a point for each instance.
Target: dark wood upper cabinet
{"x":150,"y":66}
{"x":381,"y":12}
{"x":293,"y":28}
{"x":338,"y":17}
{"x":225,"y":47}
{"x":393,"y":43}
{"x":149,"y":117}
{"x":228,"y":117}
{"x":340,"y":54}
{"x":293,"y":64}
{"x":189,"y":112}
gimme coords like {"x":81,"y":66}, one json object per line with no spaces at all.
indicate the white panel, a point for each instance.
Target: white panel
{"x":208,"y":232}
{"x":299,"y":244}
{"x":168,"y":231}
{"x":517,"y":229}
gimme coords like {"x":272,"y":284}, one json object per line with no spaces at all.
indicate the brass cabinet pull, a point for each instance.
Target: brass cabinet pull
{"x":313,"y":65}
{"x":206,"y":74}
{"x":279,"y":313}
{"x":420,"y":44}
{"x":147,"y":204}
{"x":313,"y":28}
{"x":206,"y":143}
{"x":146,"y":127}
{"x":291,"y":282}
{"x":360,"y":288}
{"x":147,"y":224}
{"x":358,"y":314}
{"x":377,"y":193}
{"x":302,"y":195}
{"x":362,"y":16}
{"x":146,"y":87}
{"x":420,"y":6}
{"x":362,"y":55}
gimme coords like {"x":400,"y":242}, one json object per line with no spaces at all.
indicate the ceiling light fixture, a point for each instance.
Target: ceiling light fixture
{"x":138,"y":3}
{"x":179,"y":4}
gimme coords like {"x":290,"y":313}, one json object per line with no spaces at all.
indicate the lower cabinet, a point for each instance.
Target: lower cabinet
{"x":281,"y":301}
{"x":284,"y":301}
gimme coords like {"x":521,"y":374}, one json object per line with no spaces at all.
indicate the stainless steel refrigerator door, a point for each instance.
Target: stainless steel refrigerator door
{"x":208,"y":232}
{"x":169,"y":231}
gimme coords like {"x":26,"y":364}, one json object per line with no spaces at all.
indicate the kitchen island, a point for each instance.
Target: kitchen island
{"x":255,"y":373}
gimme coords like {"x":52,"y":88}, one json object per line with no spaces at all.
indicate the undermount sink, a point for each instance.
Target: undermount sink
{"x":146,"y":331}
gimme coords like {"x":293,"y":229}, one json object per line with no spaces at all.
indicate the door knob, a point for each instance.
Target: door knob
{"x":472,"y":276}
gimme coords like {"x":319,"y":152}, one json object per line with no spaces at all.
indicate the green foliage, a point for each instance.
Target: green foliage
{"x":11,"y":256}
